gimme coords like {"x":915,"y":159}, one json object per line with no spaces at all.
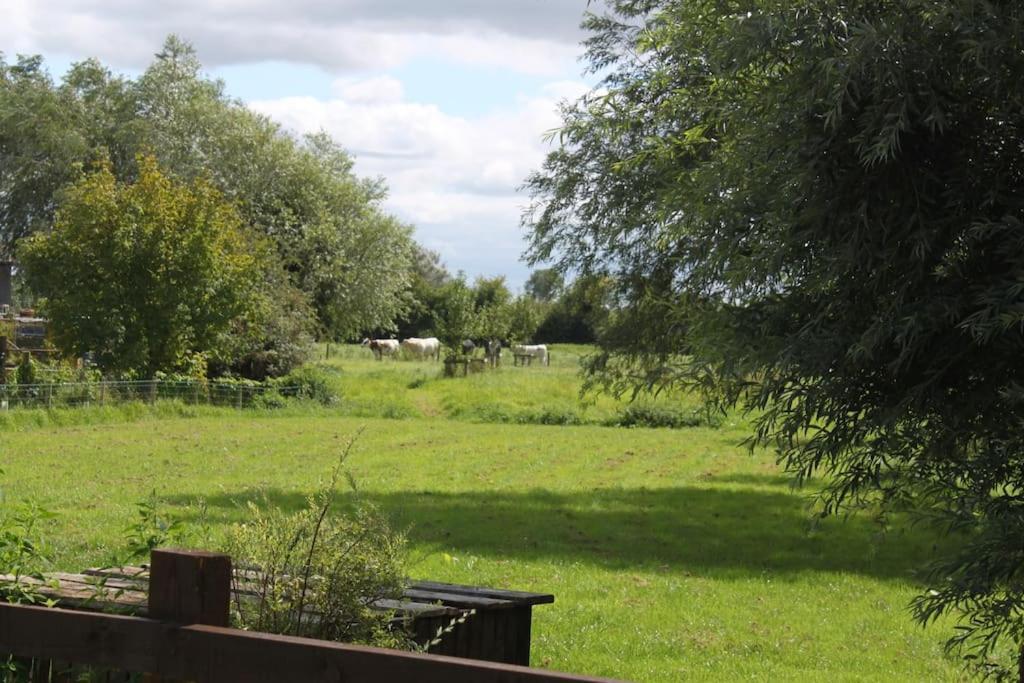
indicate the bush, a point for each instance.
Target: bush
{"x":550,"y":416}
{"x":308,"y":382}
{"x":322,"y":561}
{"x":647,"y":415}
{"x":26,"y":373}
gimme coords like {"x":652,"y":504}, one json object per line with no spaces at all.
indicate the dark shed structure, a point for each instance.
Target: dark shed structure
{"x":6,"y":268}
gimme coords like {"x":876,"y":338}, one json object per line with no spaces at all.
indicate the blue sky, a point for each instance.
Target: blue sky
{"x":447,"y":100}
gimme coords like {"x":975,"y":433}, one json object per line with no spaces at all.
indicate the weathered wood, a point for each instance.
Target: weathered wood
{"x":522,"y":625}
{"x":459,"y":600}
{"x":190,"y":587}
{"x":211,"y":653}
{"x":522,"y":597}
{"x":499,"y":631}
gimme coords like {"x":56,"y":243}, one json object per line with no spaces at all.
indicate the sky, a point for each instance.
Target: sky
{"x":449,"y":101}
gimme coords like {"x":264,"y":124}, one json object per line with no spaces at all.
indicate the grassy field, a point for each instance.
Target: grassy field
{"x":673,"y":554}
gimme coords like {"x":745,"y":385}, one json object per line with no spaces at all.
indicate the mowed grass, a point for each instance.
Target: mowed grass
{"x":673,"y":554}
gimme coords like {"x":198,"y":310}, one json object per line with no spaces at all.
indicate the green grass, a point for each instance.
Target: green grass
{"x":402,"y":388}
{"x":673,"y":554}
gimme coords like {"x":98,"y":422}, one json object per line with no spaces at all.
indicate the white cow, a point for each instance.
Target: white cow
{"x":538,"y":351}
{"x":422,"y":348}
{"x":382,"y":347}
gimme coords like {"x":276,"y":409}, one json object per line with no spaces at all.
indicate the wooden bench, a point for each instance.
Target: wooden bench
{"x":498,"y":631}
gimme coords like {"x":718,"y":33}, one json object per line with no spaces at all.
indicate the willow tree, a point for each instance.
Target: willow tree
{"x":813,"y":210}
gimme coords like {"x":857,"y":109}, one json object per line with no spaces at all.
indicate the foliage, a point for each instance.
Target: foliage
{"x":23,"y":549}
{"x":320,"y":560}
{"x":152,"y":528}
{"x":273,"y":338}
{"x":456,"y":315}
{"x":26,"y":373}
{"x":544,"y":284}
{"x":525,"y":316}
{"x":41,"y":147}
{"x":649,"y":415}
{"x":311,"y":383}
{"x":579,"y":314}
{"x":333,"y":240}
{"x":142,"y":274}
{"x":811,"y":211}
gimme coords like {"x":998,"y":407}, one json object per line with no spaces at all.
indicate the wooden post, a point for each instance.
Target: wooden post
{"x":3,"y":360}
{"x":190,"y":587}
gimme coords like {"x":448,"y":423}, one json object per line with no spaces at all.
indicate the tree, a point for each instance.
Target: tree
{"x":142,"y":273}
{"x":544,"y":284}
{"x":579,"y":313}
{"x":525,"y":316}
{"x":333,"y":238}
{"x":40,"y":149}
{"x":811,"y":210}
{"x":456,"y":315}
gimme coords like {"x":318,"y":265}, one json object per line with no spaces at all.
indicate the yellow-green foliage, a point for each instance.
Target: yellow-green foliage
{"x":142,"y":273}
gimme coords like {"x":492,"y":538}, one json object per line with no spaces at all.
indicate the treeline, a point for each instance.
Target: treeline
{"x":548,"y":310}
{"x":322,"y":258}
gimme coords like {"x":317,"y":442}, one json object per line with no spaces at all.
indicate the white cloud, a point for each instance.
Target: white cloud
{"x":379,"y":90}
{"x":456,"y":178}
{"x":530,"y":36}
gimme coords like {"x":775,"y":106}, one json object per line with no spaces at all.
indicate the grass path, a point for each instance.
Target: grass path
{"x":673,"y":555}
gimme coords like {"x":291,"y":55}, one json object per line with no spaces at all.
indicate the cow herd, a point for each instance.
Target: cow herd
{"x":430,"y":349}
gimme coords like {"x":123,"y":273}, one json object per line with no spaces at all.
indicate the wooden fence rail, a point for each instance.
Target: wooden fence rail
{"x":189,"y":592}
{"x":214,"y":653}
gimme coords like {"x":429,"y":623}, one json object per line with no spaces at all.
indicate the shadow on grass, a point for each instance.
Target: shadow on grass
{"x":701,"y":530}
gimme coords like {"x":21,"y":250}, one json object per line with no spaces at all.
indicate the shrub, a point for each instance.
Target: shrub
{"x":26,"y":373}
{"x":550,"y":416}
{"x":322,"y":561}
{"x":308,"y":382}
{"x":647,"y":415}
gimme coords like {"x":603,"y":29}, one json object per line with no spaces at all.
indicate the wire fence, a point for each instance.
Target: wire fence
{"x":72,"y":394}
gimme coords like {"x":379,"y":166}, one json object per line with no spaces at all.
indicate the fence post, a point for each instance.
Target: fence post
{"x":190,"y":586}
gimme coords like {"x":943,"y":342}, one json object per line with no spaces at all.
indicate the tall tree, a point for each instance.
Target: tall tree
{"x":338,"y":246}
{"x":145,"y":273}
{"x":812,"y":210}
{"x":544,"y":284}
{"x":41,"y":149}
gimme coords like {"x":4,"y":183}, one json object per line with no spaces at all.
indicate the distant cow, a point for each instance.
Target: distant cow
{"x":538,"y":351}
{"x":382,"y":347}
{"x":494,"y":351}
{"x":422,"y":348}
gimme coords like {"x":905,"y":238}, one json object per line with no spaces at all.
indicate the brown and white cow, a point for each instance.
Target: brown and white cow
{"x":382,"y":347}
